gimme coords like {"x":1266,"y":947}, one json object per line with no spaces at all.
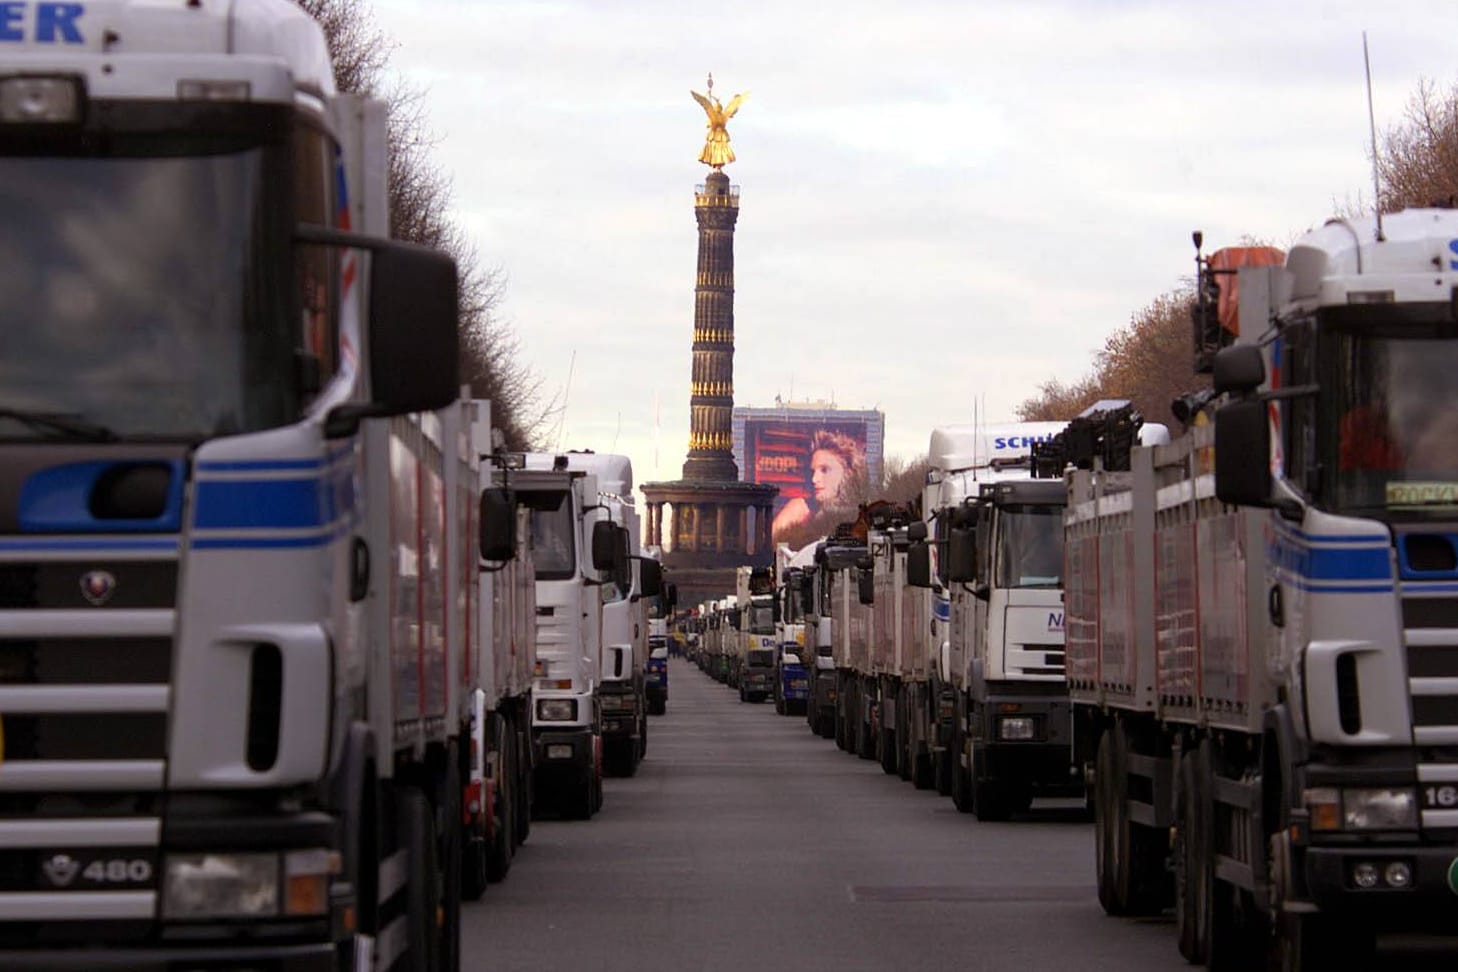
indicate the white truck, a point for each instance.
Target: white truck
{"x":1262,"y":622}
{"x":756,"y":646}
{"x":500,"y":664}
{"x":793,"y":659}
{"x":234,"y":585}
{"x":846,"y":556}
{"x":993,"y":711}
{"x":621,"y":693}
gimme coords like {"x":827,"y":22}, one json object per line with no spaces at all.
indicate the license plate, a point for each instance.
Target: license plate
{"x":557,"y":751}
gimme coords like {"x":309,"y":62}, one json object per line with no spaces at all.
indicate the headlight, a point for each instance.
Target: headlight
{"x":556,"y":710}
{"x":1020,"y":728}
{"x":1379,"y":810}
{"x":221,"y":886}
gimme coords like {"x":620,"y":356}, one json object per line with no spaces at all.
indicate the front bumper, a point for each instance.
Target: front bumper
{"x":561,"y":751}
{"x":1429,"y":904}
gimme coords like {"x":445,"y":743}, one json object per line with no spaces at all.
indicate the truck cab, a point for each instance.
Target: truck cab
{"x":566,"y":713}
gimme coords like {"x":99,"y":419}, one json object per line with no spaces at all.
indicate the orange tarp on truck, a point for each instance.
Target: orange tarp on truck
{"x":1229,"y":260}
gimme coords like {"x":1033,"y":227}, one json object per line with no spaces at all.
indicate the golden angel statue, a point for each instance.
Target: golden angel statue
{"x":717,"y":152}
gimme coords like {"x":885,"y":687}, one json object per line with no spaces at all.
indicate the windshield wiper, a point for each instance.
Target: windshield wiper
{"x":67,"y":426}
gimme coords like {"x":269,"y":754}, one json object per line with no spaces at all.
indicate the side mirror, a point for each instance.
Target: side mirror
{"x":807,"y":598}
{"x":498,"y":524}
{"x":1239,"y":369}
{"x":650,"y":578}
{"x":604,"y":546}
{"x":961,"y":556}
{"x":1243,"y":453}
{"x":866,"y":587}
{"x":916,"y":531}
{"x":414,"y":329}
{"x":918,"y":564}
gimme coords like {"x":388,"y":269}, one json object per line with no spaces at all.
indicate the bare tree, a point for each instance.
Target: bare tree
{"x":1418,"y":163}
{"x":1149,"y":362}
{"x":420,"y":195}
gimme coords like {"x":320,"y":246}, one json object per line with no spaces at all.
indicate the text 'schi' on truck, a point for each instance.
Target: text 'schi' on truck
{"x":794,"y":653}
{"x":1263,"y":614}
{"x":755,"y":645}
{"x":996,"y":715}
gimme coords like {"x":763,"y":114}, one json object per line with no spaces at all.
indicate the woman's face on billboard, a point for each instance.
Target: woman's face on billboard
{"x":827,"y":475}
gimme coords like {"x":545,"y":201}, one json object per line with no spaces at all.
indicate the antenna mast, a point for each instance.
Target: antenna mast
{"x":1372,"y":128}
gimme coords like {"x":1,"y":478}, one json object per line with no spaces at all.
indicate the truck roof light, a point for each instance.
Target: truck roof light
{"x":199,"y":89}
{"x":32,"y":100}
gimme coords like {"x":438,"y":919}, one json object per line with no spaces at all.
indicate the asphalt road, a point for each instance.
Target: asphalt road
{"x":744,"y":842}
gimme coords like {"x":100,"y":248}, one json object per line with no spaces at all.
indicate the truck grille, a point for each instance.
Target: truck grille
{"x":85,"y":664}
{"x":1430,"y":634}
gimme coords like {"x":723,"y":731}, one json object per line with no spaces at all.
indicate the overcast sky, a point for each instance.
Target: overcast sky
{"x":943,"y":205}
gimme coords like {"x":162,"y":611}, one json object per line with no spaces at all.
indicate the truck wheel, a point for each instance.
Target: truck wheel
{"x":923,"y":773}
{"x":1192,"y":865}
{"x":1136,"y":859}
{"x":498,"y":855}
{"x":1107,"y":851}
{"x":448,"y":857}
{"x":617,"y":757}
{"x":990,"y":798}
{"x":422,"y":881}
{"x":779,"y":704}
{"x":961,"y":776}
{"x":888,"y":752}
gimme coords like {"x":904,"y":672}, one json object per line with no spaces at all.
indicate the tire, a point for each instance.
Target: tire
{"x":923,"y":771}
{"x":1106,"y":836}
{"x":1192,"y":864}
{"x":523,"y":784}
{"x":579,"y":801}
{"x":942,"y":771}
{"x":1134,"y":861}
{"x":498,"y":854}
{"x":961,"y":776}
{"x":449,"y":847}
{"x":888,"y":754}
{"x":422,"y":881}
{"x":618,"y":757}
{"x":991,"y":800}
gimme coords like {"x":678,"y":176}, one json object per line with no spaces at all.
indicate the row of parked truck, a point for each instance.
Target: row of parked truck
{"x":1240,"y":647}
{"x":292,"y":651}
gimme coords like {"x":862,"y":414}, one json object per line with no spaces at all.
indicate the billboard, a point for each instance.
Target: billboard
{"x":815,"y":455}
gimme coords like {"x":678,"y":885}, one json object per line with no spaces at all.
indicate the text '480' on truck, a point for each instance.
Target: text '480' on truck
{"x":1263,"y":615}
{"x":236,"y":532}
{"x":590,"y":709}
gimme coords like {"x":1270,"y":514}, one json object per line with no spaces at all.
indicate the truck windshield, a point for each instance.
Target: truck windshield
{"x":553,"y":546}
{"x":1030,"y":546}
{"x":761,"y":619}
{"x":141,"y":294}
{"x":1391,"y":437}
